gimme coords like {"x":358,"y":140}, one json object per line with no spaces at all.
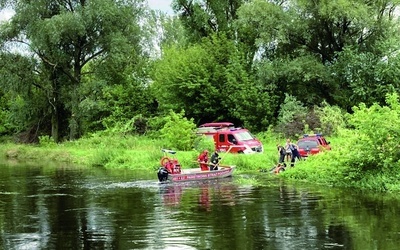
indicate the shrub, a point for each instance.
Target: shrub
{"x":178,"y":132}
{"x":331,"y":118}
{"x":291,"y":117}
{"x":46,"y":141}
{"x":203,"y":142}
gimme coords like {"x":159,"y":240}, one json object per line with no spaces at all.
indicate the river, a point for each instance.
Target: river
{"x":64,"y":207}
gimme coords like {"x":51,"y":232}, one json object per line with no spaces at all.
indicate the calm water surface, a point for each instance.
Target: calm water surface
{"x":61,"y":207}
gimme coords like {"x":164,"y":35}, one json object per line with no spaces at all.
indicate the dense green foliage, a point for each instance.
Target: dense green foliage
{"x":58,"y":44}
{"x":200,"y":80}
{"x":104,"y":68}
{"x":84,"y":66}
{"x":366,"y":156}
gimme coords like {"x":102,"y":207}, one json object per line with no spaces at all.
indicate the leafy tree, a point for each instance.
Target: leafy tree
{"x":364,"y":77}
{"x":117,"y":91}
{"x":170,"y":31}
{"x":203,"y":18}
{"x":25,"y":97}
{"x":291,"y":118}
{"x":210,"y":82}
{"x":63,"y":37}
{"x":289,"y":109}
{"x":302,"y":40}
{"x":181,"y":81}
{"x":4,"y":114}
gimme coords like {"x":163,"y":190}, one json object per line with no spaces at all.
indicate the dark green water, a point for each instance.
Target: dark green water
{"x":60,"y":207}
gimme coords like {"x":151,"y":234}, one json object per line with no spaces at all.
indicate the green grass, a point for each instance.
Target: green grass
{"x":127,"y":152}
{"x":142,"y":153}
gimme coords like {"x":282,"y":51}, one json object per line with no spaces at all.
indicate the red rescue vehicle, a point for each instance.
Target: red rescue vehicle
{"x":226,"y":135}
{"x":312,"y":144}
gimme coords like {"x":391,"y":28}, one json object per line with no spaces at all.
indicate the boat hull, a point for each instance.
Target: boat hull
{"x":196,"y":174}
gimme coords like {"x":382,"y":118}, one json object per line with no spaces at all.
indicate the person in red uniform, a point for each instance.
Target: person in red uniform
{"x":203,"y":160}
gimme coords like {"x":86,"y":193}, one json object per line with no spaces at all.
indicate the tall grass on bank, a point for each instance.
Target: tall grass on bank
{"x":128,"y":151}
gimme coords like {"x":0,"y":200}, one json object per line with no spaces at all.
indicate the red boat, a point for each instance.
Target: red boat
{"x":170,"y":170}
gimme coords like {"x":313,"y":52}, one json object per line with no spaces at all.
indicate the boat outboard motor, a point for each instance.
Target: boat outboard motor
{"x":162,"y":174}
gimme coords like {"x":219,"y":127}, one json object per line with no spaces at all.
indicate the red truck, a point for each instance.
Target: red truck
{"x":226,"y":135}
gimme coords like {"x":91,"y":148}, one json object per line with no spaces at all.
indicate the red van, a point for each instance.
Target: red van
{"x":226,"y":135}
{"x":312,"y":144}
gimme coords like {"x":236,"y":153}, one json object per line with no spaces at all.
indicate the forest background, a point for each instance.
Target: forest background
{"x":88,"y":70}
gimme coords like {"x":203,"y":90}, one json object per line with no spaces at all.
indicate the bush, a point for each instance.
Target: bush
{"x":294,"y":119}
{"x":331,"y":118}
{"x":291,"y":117}
{"x":178,"y":132}
{"x":203,"y":142}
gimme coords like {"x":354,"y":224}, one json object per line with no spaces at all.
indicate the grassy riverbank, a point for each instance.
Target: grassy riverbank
{"x":126,"y":151}
{"x":351,"y":163}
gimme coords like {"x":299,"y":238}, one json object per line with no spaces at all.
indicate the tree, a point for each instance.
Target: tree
{"x":209,"y":81}
{"x":302,"y":39}
{"x":203,"y":18}
{"x":24,"y":97}
{"x":170,"y":31}
{"x":65,"y":36}
{"x":364,"y":76}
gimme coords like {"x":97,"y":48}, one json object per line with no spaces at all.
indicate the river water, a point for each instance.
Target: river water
{"x":63,"y":207}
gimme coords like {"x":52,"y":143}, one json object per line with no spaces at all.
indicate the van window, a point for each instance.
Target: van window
{"x":231,"y":138}
{"x":307,"y":144}
{"x":244,"y":136}
{"x":222,"y":138}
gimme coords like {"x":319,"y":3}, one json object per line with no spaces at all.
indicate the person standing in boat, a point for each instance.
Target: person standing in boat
{"x":203,"y":160}
{"x":214,"y":161}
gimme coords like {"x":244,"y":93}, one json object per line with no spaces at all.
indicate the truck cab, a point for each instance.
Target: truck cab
{"x":227,"y":137}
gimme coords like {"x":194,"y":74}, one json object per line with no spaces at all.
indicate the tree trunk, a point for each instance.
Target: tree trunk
{"x":53,"y":100}
{"x":74,"y":121}
{"x":74,"y":124}
{"x":55,"y":125}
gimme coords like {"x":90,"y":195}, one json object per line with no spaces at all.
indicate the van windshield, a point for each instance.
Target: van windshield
{"x":244,"y":136}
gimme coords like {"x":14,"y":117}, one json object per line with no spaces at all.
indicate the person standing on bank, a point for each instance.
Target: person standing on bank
{"x":288,"y":149}
{"x":295,"y":152}
{"x":281,"y":153}
{"x":214,"y":161}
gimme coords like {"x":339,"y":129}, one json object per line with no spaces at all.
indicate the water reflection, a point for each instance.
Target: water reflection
{"x":207,"y":192}
{"x":46,"y":207}
{"x":171,"y":194}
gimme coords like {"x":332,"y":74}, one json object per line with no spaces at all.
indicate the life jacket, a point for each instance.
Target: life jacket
{"x":203,"y":157}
